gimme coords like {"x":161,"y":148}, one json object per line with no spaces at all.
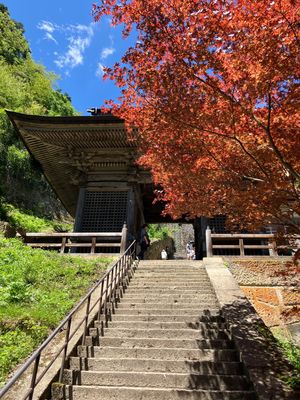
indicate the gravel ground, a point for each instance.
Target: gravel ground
{"x":259,"y":272}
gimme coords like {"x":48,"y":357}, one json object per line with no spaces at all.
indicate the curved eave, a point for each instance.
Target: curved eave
{"x":49,"y":140}
{"x":87,"y":120}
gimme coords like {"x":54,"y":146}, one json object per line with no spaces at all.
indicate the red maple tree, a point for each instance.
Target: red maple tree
{"x":213,"y":90}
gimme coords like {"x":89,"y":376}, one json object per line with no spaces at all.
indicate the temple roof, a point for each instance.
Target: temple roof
{"x":72,"y":150}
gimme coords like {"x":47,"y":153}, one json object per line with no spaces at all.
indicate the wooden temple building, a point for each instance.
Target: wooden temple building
{"x":91,"y":165}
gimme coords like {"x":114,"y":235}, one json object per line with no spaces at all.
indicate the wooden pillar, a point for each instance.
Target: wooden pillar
{"x":199,"y":235}
{"x":123,"y":239}
{"x":209,"y":248}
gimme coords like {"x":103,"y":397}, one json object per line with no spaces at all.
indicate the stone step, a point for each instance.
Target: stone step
{"x":145,"y":283}
{"x":164,"y":278}
{"x":196,"y":300}
{"x":173,"y":277}
{"x":173,"y":295}
{"x":144,"y":365}
{"x":183,"y":274}
{"x":164,"y":381}
{"x":167,"y":305}
{"x":165,"y":333}
{"x":158,"y":353}
{"x":203,"y":327}
{"x":167,"y":298}
{"x":126,"y":393}
{"x":173,"y":290}
{"x":165,"y":267}
{"x":191,"y":319}
{"x":183,"y":283}
{"x":182,"y":294}
{"x":171,"y":264}
{"x":164,"y":311}
{"x":158,"y":343}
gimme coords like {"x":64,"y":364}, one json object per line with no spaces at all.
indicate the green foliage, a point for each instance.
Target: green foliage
{"x":16,"y":345}
{"x":27,"y":87}
{"x":30,"y":223}
{"x":37,"y":289}
{"x":158,"y":232}
{"x":13,"y":46}
{"x":292,"y":353}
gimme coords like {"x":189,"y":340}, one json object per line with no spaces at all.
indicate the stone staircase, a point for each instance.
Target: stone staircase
{"x":166,"y":340}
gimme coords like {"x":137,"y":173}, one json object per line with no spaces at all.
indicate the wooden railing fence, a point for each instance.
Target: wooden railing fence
{"x":241,"y":246}
{"x":62,"y":241}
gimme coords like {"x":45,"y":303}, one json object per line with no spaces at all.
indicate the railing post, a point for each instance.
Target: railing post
{"x":123,"y":239}
{"x":272,"y":250}
{"x":242,"y":250}
{"x":209,"y":248}
{"x":63,"y":245}
{"x":93,"y":247}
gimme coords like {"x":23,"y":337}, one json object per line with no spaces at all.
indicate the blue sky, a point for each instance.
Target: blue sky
{"x":64,"y":38}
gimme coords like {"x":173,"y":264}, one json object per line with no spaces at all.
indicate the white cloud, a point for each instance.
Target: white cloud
{"x":109,"y":21}
{"x":49,"y":36}
{"x":47,"y":26}
{"x":106,"y":52}
{"x":74,"y":54}
{"x":88,"y":29}
{"x":78,"y":39}
{"x":111,"y":38}
{"x":100,"y":70}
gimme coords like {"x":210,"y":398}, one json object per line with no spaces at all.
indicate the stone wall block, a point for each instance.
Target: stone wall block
{"x":263,"y":294}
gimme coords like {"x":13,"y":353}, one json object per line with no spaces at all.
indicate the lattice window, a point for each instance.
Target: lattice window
{"x":104,"y":211}
{"x":217,"y":224}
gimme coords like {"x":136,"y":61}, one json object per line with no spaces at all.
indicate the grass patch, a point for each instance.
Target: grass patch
{"x":37,"y":289}
{"x":292,"y":353}
{"x":30,"y":223}
{"x":158,"y":232}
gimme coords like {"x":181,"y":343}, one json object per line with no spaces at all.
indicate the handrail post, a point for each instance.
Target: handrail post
{"x":209,"y":248}
{"x":100,"y":300}
{"x":123,"y":238}
{"x":87,"y":312}
{"x":34,"y":375}
{"x":65,"y":351}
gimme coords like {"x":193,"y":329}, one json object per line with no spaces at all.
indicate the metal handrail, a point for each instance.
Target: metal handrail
{"x":115,"y":279}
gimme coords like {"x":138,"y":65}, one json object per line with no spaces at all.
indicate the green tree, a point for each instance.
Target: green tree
{"x":13,"y":46}
{"x":27,"y":87}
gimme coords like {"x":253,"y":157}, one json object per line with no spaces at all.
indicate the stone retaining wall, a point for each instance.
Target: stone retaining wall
{"x":156,"y":247}
{"x":273,"y":287}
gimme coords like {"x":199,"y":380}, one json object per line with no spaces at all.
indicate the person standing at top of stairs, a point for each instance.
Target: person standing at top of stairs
{"x":144,"y":241}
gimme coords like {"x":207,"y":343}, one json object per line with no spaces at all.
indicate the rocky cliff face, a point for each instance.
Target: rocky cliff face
{"x":156,"y":247}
